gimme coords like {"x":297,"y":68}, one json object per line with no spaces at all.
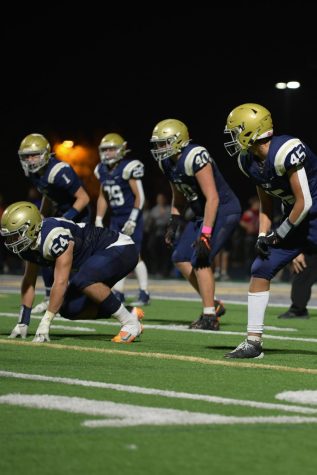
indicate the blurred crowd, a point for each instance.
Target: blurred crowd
{"x":231,"y":263}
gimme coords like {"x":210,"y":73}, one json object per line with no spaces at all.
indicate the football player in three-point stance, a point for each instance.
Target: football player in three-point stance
{"x":62,"y":190}
{"x":196,"y":183}
{"x":284,"y":168}
{"x":99,"y":257}
{"x":121,"y":189}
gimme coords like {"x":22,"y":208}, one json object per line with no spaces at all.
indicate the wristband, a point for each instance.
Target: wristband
{"x":48,"y":315}
{"x":206,"y":230}
{"x":261,"y":234}
{"x":71,"y":213}
{"x":25,"y":315}
{"x":284,"y":228}
{"x":134,"y":214}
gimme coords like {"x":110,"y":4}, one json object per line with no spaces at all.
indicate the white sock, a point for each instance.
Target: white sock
{"x":209,"y":311}
{"x":255,"y":338}
{"x":257,"y":303}
{"x":124,"y":316}
{"x":142,"y":275}
{"x":119,"y":286}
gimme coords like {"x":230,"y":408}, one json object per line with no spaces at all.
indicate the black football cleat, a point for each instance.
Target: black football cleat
{"x":206,"y":322}
{"x":247,"y":349}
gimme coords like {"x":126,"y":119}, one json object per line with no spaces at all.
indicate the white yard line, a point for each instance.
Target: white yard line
{"x":179,"y":328}
{"x":159,"y":392}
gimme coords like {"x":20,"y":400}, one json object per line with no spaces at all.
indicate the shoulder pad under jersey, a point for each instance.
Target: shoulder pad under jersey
{"x":291,"y":154}
{"x":196,"y":159}
{"x":133,"y":169}
{"x":55,"y":170}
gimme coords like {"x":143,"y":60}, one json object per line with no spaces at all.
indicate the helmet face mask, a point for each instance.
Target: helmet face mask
{"x":34,"y":153}
{"x":169,"y":137}
{"x":20,"y":225}
{"x":112,"y":149}
{"x":233,"y":145}
{"x":245,"y":125}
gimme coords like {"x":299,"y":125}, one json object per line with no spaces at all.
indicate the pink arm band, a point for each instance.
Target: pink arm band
{"x":206,"y":229}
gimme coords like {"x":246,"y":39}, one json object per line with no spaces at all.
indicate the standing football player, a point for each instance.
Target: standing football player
{"x":283,"y":168}
{"x":121,"y":189}
{"x":62,"y":191}
{"x":196,"y":183}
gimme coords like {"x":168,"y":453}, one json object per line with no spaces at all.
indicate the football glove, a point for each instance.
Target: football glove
{"x":129,"y":227}
{"x":273,"y":238}
{"x":263,"y":243}
{"x":130,"y":224}
{"x":203,"y":248}
{"x":20,"y":330}
{"x":42,"y":332}
{"x":174,"y":223}
{"x":262,"y":247}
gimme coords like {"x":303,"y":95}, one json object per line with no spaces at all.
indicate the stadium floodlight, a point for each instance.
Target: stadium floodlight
{"x":287,"y":85}
{"x":293,"y":85}
{"x":281,"y":85}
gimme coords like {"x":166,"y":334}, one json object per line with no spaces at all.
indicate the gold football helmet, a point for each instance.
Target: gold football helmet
{"x":20,"y":225}
{"x":246,"y":124}
{"x":34,"y":153}
{"x":112,"y":148}
{"x":168,"y":138}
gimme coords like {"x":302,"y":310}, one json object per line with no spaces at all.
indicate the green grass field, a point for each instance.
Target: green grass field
{"x":167,"y":404}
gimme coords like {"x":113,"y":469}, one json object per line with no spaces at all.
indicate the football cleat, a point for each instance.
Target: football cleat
{"x":291,"y":314}
{"x":128,"y":333}
{"x":143,"y":299}
{"x":220,"y":308}
{"x":40,"y":307}
{"x":206,"y":322}
{"x":247,"y":349}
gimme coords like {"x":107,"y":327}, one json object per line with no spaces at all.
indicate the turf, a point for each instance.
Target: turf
{"x":155,"y":372}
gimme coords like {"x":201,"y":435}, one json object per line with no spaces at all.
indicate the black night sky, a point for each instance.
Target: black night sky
{"x":78,"y":75}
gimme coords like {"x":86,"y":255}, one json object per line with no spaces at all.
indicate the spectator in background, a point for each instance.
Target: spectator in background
{"x":159,"y":254}
{"x":63,"y":194}
{"x":304,"y":277}
{"x":222,"y":263}
{"x":121,"y":189}
{"x":250,"y":223}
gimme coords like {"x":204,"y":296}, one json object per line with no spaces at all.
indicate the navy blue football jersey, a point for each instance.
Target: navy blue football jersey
{"x":182,"y":174}
{"x":285,"y":153}
{"x":59,"y":183}
{"x":115,"y":183}
{"x":54,"y":238}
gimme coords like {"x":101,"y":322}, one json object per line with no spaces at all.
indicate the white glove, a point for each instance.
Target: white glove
{"x":19,"y":330}
{"x":42,"y":332}
{"x":98,"y":222}
{"x":129,"y":227}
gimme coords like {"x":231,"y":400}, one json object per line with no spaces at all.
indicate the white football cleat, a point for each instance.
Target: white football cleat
{"x":40,"y":307}
{"x":128,"y":333}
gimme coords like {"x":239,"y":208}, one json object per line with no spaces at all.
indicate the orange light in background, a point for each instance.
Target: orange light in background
{"x":68,"y":144}
{"x":83,"y":159}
